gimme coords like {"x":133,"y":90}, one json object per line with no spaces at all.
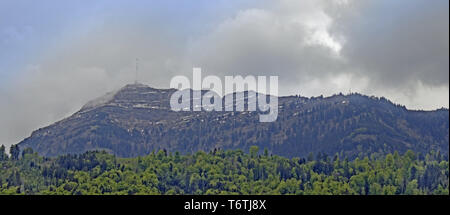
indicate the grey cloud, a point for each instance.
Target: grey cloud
{"x":395,"y":50}
{"x":396,"y":43}
{"x":79,"y":69}
{"x":265,"y":42}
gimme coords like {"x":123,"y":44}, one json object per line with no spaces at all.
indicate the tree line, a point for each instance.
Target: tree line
{"x":222,"y":172}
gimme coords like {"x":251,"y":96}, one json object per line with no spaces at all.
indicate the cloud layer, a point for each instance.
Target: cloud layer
{"x":51,"y":66}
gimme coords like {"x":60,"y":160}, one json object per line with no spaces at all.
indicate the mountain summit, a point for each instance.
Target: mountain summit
{"x":137,"y":120}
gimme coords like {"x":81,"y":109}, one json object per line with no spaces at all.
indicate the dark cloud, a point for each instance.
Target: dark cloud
{"x":397,"y":49}
{"x":396,"y":43}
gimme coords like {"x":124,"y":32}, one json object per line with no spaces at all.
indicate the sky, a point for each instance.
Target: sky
{"x":55,"y":56}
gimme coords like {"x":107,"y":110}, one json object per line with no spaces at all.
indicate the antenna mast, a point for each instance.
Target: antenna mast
{"x":136,"y":75}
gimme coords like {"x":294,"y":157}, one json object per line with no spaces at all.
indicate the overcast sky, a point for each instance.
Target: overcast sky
{"x":57,"y":55}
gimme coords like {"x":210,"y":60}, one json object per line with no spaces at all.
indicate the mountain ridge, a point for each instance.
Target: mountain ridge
{"x":137,"y":119}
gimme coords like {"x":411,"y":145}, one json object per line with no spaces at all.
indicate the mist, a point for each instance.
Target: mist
{"x":55,"y":57}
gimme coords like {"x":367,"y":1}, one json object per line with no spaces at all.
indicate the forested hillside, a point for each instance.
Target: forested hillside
{"x":137,"y":120}
{"x":222,"y":172}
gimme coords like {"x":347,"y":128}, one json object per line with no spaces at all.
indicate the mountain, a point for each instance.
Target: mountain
{"x":137,"y":120}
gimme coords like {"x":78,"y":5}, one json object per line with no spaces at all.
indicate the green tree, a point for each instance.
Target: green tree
{"x":3,"y":155}
{"x":14,"y":151}
{"x":412,"y":188}
{"x":254,"y":151}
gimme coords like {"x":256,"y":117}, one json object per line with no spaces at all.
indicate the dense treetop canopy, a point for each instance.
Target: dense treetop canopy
{"x":223,"y":172}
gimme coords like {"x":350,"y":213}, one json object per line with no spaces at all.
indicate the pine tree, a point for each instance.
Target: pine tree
{"x":14,"y":151}
{"x":3,"y":155}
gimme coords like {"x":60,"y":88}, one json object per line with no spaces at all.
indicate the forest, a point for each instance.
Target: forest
{"x":222,"y":172}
